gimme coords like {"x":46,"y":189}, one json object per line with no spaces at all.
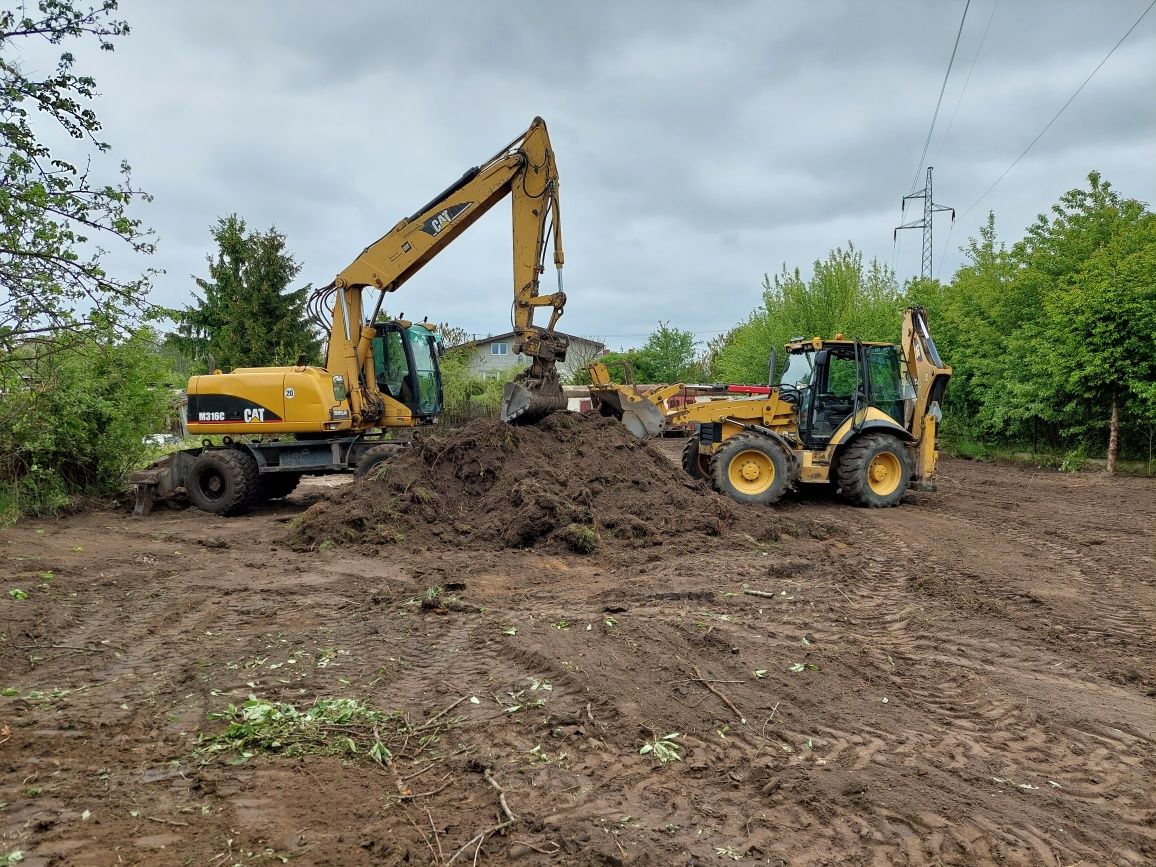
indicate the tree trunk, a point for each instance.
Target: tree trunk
{"x":1114,"y":436}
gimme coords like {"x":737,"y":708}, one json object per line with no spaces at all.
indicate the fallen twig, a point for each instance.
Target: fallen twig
{"x":422,"y":771}
{"x":449,"y":779}
{"x":718,"y":692}
{"x":510,"y":820}
{"x":167,"y":821}
{"x":771,"y":717}
{"x":437,"y":839}
{"x":434,"y":719}
{"x":762,"y":593}
{"x":420,"y":833}
{"x":553,"y":851}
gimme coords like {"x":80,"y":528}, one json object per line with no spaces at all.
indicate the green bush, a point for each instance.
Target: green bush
{"x":1075,"y":460}
{"x":73,"y":414}
{"x":465,"y":393}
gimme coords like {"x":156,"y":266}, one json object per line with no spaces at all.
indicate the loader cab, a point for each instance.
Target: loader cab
{"x":834,"y":379}
{"x":405,"y":364}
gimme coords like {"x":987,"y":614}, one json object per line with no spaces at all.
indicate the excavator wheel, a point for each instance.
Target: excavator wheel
{"x":374,"y":458}
{"x":696,"y":464}
{"x":223,"y":481}
{"x":874,"y":471}
{"x":750,"y":468}
{"x":275,"y":486}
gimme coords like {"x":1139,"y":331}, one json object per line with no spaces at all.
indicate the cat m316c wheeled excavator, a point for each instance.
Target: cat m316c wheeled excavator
{"x":279,"y":423}
{"x":858,"y":416}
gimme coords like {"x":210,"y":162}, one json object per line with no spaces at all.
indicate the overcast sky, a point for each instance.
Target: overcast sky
{"x":699,"y":144}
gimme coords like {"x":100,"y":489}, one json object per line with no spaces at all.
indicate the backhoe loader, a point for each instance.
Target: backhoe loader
{"x":279,"y":423}
{"x":860,"y":417}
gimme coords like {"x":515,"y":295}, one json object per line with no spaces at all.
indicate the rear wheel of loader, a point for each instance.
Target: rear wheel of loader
{"x":374,"y":458}
{"x":223,"y":481}
{"x":275,"y":486}
{"x":695,"y":463}
{"x":750,"y":468}
{"x":874,"y":471}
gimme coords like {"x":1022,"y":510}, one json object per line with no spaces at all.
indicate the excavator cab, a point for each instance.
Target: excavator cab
{"x":405,"y":364}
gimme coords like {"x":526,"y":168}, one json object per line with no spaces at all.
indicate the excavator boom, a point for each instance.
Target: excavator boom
{"x":526,"y":171}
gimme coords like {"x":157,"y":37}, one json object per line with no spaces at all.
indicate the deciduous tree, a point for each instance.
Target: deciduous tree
{"x":844,"y":294}
{"x":59,"y":207}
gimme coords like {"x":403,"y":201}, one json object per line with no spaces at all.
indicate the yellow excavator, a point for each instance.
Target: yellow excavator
{"x":279,"y":423}
{"x":860,"y":417}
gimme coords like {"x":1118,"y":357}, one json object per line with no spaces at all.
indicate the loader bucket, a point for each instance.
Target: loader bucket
{"x":525,"y":401}
{"x":641,"y":417}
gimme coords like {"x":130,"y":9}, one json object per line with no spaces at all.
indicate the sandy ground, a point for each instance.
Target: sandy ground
{"x":968,"y":678}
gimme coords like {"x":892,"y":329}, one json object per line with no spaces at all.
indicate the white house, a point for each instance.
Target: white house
{"x":492,"y":356}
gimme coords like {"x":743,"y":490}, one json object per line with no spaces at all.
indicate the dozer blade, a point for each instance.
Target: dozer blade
{"x":527,"y":400}
{"x":641,"y":417}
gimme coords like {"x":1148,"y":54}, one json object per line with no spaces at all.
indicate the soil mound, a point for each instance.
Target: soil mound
{"x":570,"y":481}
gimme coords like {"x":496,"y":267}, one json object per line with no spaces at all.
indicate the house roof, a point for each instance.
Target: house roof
{"x":509,"y":335}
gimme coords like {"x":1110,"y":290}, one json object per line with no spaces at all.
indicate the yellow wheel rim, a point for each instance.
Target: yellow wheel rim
{"x":751,"y":472}
{"x":884,"y":474}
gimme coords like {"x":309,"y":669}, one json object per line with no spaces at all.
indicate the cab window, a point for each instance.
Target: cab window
{"x":391,"y":367}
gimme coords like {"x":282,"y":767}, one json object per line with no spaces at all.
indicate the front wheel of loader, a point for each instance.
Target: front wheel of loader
{"x":874,"y":471}
{"x":750,"y":468}
{"x":223,"y":481}
{"x":696,"y":464}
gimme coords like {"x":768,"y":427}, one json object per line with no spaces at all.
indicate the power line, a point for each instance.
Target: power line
{"x":946,"y":247}
{"x":951,"y":123}
{"x":648,"y":333}
{"x":1056,"y":116}
{"x":939,"y":102}
{"x":966,"y":81}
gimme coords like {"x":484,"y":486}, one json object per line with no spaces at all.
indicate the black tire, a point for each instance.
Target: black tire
{"x":874,"y":471}
{"x":696,"y":465}
{"x":275,"y":486}
{"x":750,"y":468}
{"x":373,"y":458}
{"x":223,"y":481}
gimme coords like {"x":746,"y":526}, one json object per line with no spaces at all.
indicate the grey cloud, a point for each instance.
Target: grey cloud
{"x":700,"y":144}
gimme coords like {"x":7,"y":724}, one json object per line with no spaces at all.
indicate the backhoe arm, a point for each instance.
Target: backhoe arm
{"x":526,"y":171}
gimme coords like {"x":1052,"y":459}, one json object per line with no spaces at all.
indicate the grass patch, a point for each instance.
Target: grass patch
{"x":330,"y":727}
{"x":580,"y":538}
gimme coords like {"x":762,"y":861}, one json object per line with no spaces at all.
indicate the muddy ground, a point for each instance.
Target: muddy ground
{"x":969,"y":678}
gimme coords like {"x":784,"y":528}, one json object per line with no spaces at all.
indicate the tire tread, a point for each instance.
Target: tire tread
{"x":852,"y":470}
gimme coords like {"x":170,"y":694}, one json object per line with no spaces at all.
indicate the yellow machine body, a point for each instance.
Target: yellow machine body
{"x":268,"y":400}
{"x":862,"y":416}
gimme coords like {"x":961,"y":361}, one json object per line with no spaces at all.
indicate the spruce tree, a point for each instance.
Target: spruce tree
{"x":246,"y":314}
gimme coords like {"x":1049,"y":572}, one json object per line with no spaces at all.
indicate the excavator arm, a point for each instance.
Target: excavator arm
{"x":526,"y":171}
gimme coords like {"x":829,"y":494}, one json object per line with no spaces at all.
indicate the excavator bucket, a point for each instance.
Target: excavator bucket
{"x":641,"y":417}
{"x":526,"y":400}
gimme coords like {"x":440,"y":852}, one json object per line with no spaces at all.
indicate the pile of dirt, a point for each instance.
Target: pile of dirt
{"x":569,"y":481}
